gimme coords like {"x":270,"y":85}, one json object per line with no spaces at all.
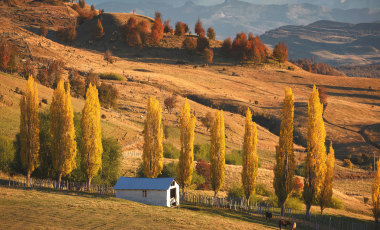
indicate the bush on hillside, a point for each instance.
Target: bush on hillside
{"x":280,"y":52}
{"x":169,"y":170}
{"x":108,"y":56}
{"x":235,"y":157}
{"x":227,"y":47}
{"x":27,"y":69}
{"x":78,"y":87}
{"x":170,"y":103}
{"x":67,"y":34}
{"x":261,"y":189}
{"x":236,"y":192}
{"x":43,"y":30}
{"x":49,"y":74}
{"x":111,"y":76}
{"x":108,"y":95}
{"x":189,"y":44}
{"x":202,"y":168}
{"x":170,"y":151}
{"x":202,"y":43}
{"x":208,"y":55}
{"x":7,"y":154}
{"x":8,"y":56}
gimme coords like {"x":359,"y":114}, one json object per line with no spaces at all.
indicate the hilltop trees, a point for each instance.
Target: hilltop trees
{"x":326,"y":189}
{"x":181,"y":28}
{"x":98,"y":31}
{"x":217,"y":152}
{"x":198,"y":29}
{"x":130,"y":33}
{"x":186,"y":158}
{"x":189,"y":44}
{"x":202,"y":43}
{"x":280,"y":52}
{"x":64,"y":146}
{"x":153,"y":133}
{"x":315,"y":163}
{"x":91,"y":134}
{"x":376,"y":193}
{"x":157,"y":29}
{"x":285,"y":162}
{"x":29,"y":129}
{"x":227,"y":47}
{"x":167,"y":27}
{"x":211,"y":33}
{"x":250,"y":159}
{"x":251,"y":49}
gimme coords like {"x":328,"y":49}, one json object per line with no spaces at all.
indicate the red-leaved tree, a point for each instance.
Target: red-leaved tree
{"x":198,"y":29}
{"x":157,"y":29}
{"x":280,"y":52}
{"x":208,"y":55}
{"x":227,"y":47}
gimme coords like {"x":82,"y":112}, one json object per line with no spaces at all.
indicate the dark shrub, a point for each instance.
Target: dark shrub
{"x":170,"y":151}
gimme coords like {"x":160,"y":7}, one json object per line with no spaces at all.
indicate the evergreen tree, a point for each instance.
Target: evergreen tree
{"x":153,"y":133}
{"x":64,"y":146}
{"x":250,"y":159}
{"x":327,"y":186}
{"x":186,"y":158}
{"x":98,"y":32}
{"x":217,"y":152}
{"x":91,"y":134}
{"x":315,"y":163}
{"x":376,"y":193}
{"x":285,"y":163}
{"x":29,"y":128}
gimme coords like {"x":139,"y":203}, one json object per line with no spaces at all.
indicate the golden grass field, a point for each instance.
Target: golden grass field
{"x":353,"y":108}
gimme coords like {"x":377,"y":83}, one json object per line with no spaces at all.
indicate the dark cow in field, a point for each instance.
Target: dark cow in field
{"x":268,"y":215}
{"x":285,"y":223}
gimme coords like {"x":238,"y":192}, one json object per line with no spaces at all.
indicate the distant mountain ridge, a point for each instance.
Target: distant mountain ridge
{"x":331,"y":42}
{"x":233,"y":16}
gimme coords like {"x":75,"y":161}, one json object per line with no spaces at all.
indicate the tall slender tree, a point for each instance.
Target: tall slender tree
{"x":98,"y":30}
{"x":250,"y":159}
{"x":186,"y":158}
{"x":153,"y":133}
{"x":92,"y":136}
{"x":29,"y":128}
{"x":315,"y":162}
{"x":64,"y":146}
{"x":217,"y":152}
{"x":285,"y":162}
{"x":327,"y":186}
{"x":376,"y":193}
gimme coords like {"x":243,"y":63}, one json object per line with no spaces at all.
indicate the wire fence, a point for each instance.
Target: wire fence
{"x":316,"y":221}
{"x":65,"y":185}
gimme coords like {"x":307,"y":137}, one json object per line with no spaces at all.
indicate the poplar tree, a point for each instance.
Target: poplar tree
{"x":327,"y":186}
{"x":315,"y":162}
{"x":153,"y":133}
{"x":186,"y":158}
{"x":376,"y":193}
{"x":64,"y":146}
{"x":29,"y":128}
{"x":250,"y":159}
{"x":217,"y":152}
{"x":285,"y":162}
{"x":92,"y":136}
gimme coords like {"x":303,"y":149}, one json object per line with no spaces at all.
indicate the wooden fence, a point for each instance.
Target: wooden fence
{"x":316,"y":222}
{"x":65,"y":185}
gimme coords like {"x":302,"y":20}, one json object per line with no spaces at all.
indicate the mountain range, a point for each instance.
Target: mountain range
{"x":331,"y":42}
{"x":233,"y":16}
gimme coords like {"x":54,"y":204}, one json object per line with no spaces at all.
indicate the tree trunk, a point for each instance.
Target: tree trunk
{"x":283,"y":209}
{"x":59,"y":180}
{"x":215,"y":193}
{"x":89,"y":184}
{"x":308,"y":206}
{"x":183,"y":190}
{"x":322,"y":211}
{"x":28,"y":179}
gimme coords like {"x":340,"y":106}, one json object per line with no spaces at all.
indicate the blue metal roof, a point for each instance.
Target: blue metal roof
{"x":137,"y":183}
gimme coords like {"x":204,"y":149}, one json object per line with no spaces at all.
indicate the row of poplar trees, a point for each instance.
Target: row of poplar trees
{"x":62,"y":132}
{"x":319,"y":168}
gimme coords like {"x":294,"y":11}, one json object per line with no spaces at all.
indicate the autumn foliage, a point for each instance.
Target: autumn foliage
{"x":189,"y":44}
{"x":8,"y":55}
{"x":248,"y":49}
{"x":181,"y":28}
{"x":170,"y":102}
{"x":43,"y":30}
{"x":227,"y":47}
{"x":67,"y":34}
{"x":98,"y":31}
{"x":280,"y":52}
{"x":211,"y":33}
{"x":316,"y":67}
{"x":202,"y":43}
{"x":167,"y":27}
{"x":157,"y":29}
{"x":198,"y":29}
{"x":208,"y":55}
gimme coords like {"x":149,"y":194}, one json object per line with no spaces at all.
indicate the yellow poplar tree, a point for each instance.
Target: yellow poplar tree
{"x":376,"y":193}
{"x":250,"y":159}
{"x":217,"y":152}
{"x":64,"y":146}
{"x":186,"y":158}
{"x":315,"y":162}
{"x":29,"y":128}
{"x":92,"y":136}
{"x":285,"y":162}
{"x":327,"y":186}
{"x":153,"y":133}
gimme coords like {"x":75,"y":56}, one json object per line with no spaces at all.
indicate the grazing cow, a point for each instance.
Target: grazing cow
{"x":285,"y":223}
{"x":268,"y":215}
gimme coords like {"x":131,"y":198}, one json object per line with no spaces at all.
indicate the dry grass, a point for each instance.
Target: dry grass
{"x":25,"y":208}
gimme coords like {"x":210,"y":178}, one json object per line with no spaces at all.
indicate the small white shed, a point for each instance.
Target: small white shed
{"x":153,"y":191}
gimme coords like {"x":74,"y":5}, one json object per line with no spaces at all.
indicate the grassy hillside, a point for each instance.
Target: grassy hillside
{"x":26,"y":208}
